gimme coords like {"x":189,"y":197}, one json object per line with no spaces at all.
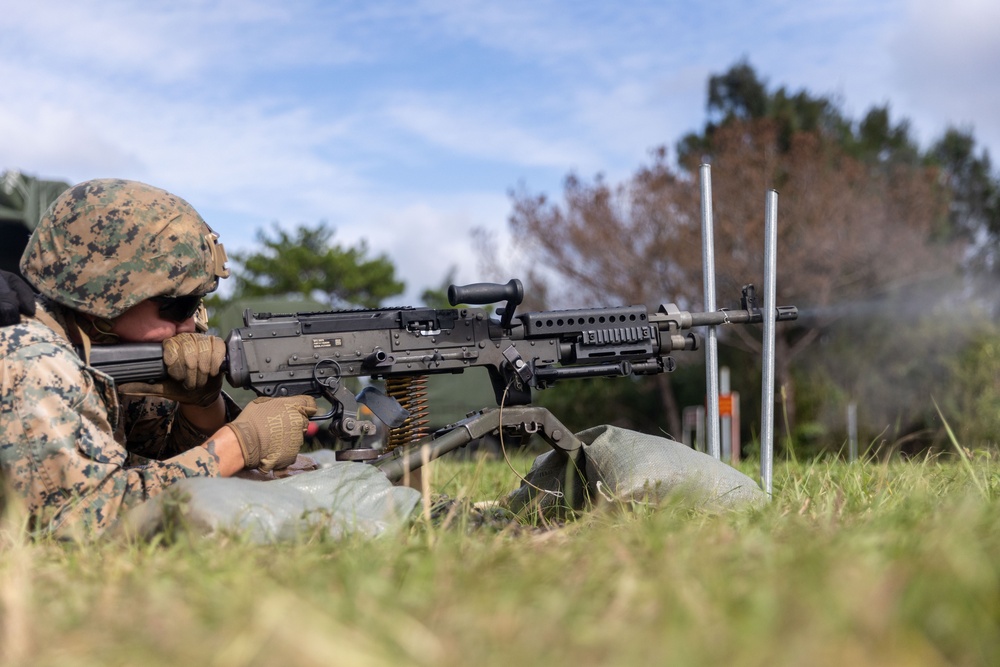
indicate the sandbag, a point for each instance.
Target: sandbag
{"x":339,"y":499}
{"x":620,"y":465}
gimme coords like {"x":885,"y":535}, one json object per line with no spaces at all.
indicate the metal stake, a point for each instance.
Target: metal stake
{"x":726,"y":421}
{"x":852,"y":431}
{"x":768,"y":311}
{"x":711,"y":344}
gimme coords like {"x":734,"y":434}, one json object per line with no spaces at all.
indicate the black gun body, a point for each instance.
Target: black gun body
{"x":311,"y":353}
{"x":278,"y":355}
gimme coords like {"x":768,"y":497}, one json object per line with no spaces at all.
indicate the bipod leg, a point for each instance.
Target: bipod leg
{"x":522,"y":420}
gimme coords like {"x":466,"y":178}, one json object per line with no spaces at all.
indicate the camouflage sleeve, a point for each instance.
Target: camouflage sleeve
{"x":59,"y":447}
{"x":156,"y":429}
{"x":148,"y":424}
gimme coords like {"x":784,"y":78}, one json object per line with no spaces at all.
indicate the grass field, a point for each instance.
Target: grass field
{"x":851,"y":564}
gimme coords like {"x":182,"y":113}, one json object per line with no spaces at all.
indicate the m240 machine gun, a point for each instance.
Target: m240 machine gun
{"x":313,"y":353}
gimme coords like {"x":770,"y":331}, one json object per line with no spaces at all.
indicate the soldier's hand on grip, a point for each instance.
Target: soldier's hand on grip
{"x":270,"y":430}
{"x":193,"y":362}
{"x":16,"y":298}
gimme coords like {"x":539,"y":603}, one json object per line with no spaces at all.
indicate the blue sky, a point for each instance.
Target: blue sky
{"x":406,"y":123}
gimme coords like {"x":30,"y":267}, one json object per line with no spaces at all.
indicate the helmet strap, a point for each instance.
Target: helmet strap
{"x":98,"y":329}
{"x":75,"y":331}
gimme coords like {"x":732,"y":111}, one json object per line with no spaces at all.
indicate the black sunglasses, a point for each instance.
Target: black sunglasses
{"x":178,"y":308}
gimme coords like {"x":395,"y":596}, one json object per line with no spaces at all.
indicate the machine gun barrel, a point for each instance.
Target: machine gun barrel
{"x":719,"y":317}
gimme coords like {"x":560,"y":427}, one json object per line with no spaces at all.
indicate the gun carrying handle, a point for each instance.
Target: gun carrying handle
{"x":484,"y":293}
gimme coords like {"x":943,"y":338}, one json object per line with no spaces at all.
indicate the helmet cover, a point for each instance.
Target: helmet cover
{"x":106,"y":245}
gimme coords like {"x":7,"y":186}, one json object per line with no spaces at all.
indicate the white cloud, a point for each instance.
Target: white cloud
{"x":183,"y":42}
{"x":471,"y":128}
{"x":527,"y":30}
{"x":427,"y":238}
{"x":52,"y":140}
{"x":946,"y":61}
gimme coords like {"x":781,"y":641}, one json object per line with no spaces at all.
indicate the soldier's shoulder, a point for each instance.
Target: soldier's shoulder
{"x":30,"y":339}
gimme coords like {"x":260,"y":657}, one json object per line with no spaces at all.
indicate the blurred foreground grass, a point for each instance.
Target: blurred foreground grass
{"x":860,"y":564}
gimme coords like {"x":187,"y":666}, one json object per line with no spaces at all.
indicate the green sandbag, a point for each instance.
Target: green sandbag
{"x":339,"y":499}
{"x":619,"y":465}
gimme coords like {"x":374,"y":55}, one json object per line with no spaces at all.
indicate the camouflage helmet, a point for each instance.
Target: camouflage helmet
{"x":107,"y":244}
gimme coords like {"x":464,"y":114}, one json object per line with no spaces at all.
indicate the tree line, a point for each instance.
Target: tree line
{"x":885,"y":248}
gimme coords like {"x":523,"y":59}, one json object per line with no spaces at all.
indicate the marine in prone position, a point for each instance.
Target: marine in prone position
{"x":116,"y":261}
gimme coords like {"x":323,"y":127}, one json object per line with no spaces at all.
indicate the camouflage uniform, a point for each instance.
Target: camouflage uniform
{"x":70,"y":446}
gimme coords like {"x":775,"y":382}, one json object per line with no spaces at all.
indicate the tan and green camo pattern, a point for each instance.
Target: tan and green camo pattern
{"x":75,"y":455}
{"x":107,"y":244}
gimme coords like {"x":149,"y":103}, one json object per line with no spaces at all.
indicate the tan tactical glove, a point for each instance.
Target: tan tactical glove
{"x":270,"y":430}
{"x":193,"y":363}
